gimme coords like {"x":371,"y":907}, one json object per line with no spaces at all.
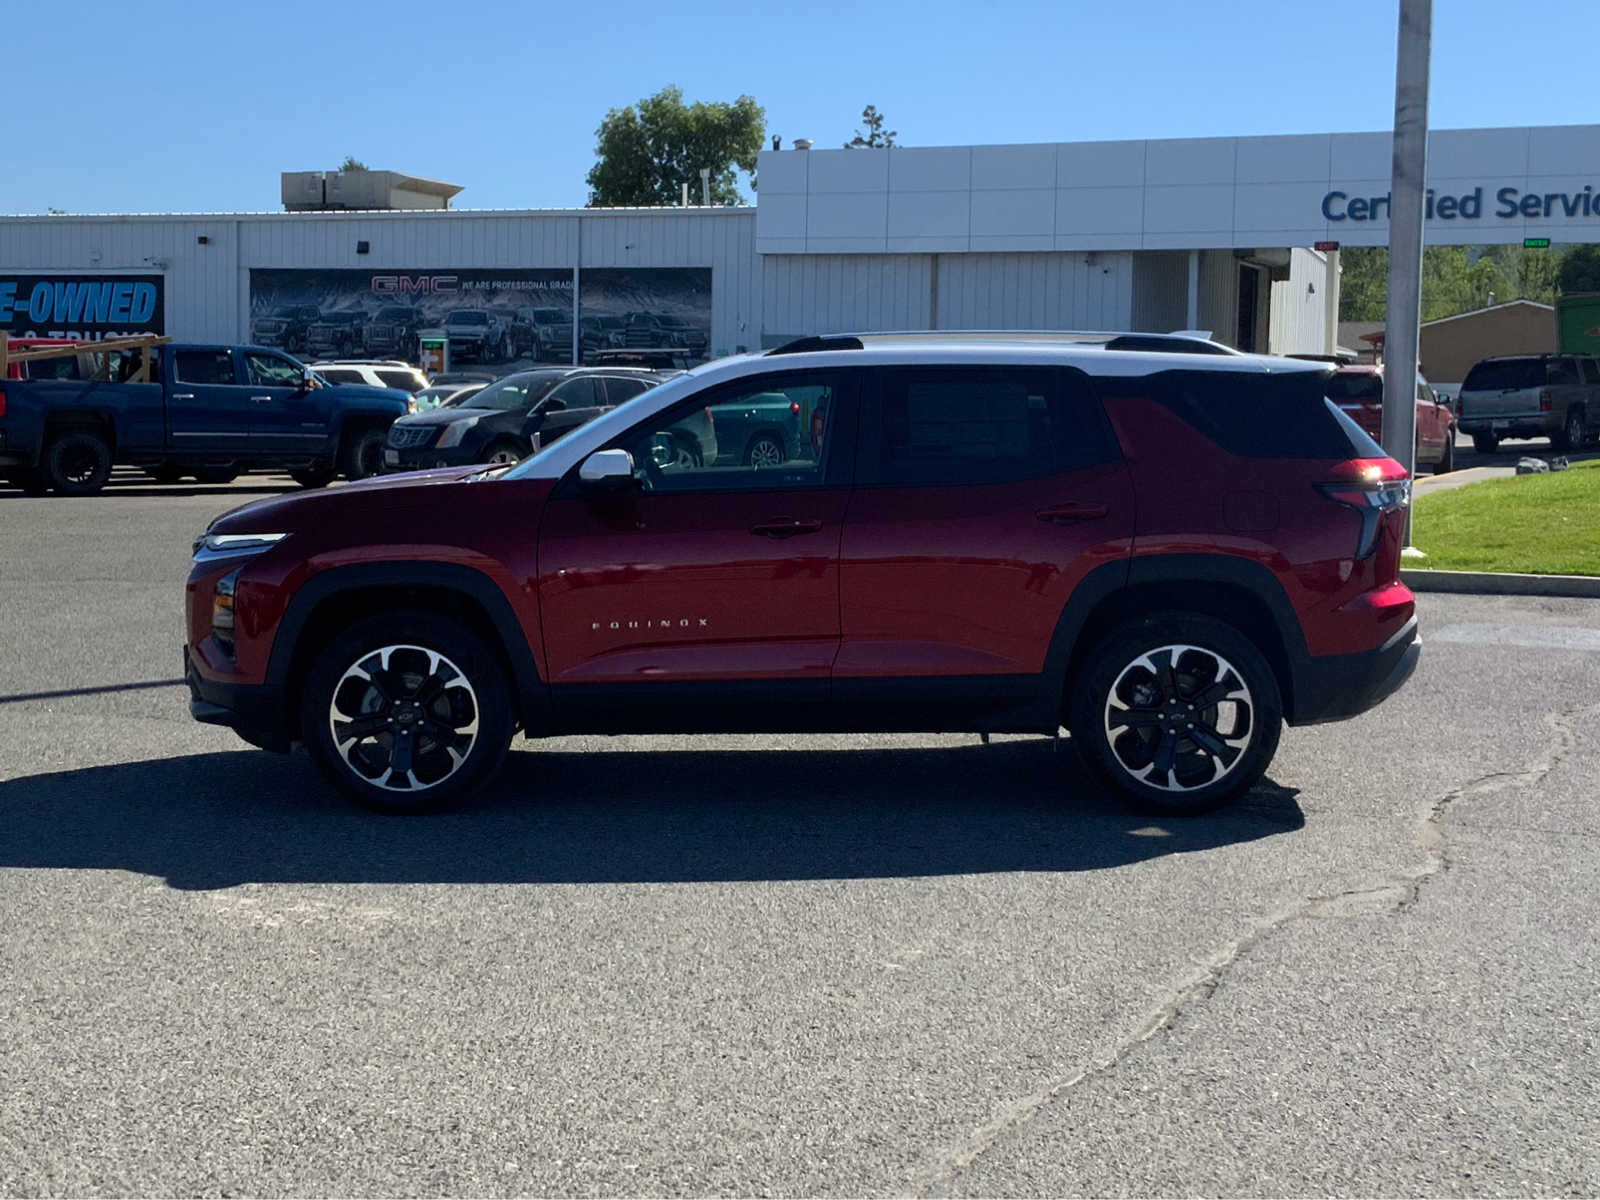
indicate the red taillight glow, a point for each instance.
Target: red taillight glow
{"x":1371,"y":486}
{"x":2,"y":402}
{"x":794,"y":407}
{"x":1544,"y":401}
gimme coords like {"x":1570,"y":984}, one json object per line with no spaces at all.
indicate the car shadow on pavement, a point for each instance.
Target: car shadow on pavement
{"x":557,"y":816}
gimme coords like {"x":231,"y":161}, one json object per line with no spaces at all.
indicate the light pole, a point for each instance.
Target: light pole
{"x":1407,"y":187}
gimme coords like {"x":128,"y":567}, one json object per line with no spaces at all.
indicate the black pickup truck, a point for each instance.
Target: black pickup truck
{"x":213,"y":412}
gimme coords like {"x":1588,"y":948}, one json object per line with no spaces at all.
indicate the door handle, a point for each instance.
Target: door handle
{"x":785,"y":527}
{"x":1068,"y":514}
{"x":261,"y":399}
{"x":183,"y":395}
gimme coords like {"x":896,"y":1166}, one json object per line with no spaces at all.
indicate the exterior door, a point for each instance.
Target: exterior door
{"x":983,"y":496}
{"x":207,"y":409}
{"x":712,"y":570}
{"x":286,"y":418}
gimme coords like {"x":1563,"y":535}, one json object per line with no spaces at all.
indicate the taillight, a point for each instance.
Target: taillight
{"x":1544,"y":401}
{"x":1371,"y":486}
{"x":794,"y":408}
{"x":2,"y":402}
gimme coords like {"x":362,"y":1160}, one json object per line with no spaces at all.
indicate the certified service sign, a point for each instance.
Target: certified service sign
{"x":89,"y":307}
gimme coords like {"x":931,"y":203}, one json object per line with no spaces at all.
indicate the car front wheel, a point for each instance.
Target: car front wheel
{"x":1177,"y":711}
{"x":407,"y":711}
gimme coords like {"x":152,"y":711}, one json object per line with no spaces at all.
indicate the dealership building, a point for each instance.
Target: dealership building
{"x":1237,"y":236}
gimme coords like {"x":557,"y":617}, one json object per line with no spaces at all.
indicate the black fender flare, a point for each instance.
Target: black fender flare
{"x":533,"y":694}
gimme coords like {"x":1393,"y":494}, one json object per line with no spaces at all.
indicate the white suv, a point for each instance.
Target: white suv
{"x":384,"y":373}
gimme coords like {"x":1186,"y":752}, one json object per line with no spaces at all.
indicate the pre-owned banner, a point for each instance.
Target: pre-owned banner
{"x":87,"y":307}
{"x":504,"y":319}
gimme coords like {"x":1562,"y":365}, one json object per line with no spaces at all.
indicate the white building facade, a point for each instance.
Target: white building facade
{"x":1216,"y":234}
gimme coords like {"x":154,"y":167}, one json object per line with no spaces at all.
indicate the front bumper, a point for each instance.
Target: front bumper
{"x":254,"y":711}
{"x":1335,"y":687}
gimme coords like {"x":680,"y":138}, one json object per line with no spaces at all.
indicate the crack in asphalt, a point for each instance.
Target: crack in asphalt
{"x":1401,"y":891}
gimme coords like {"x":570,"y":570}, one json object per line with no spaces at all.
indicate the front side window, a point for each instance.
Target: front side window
{"x":577,"y":392}
{"x":773,"y":433}
{"x":268,"y":370}
{"x":966,"y":425}
{"x":205,"y":366}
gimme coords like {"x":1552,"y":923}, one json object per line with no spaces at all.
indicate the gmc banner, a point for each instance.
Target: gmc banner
{"x":86,"y":307}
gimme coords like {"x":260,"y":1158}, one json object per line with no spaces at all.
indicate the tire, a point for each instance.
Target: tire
{"x":1572,"y":431}
{"x":1244,"y":723}
{"x":453,"y":742}
{"x":166,"y":473}
{"x":361,"y":454}
{"x":764,"y":450}
{"x":503,"y":451}
{"x":1485,"y":443}
{"x":216,"y":474}
{"x":77,"y":463}
{"x":1447,"y":461}
{"x":313,"y":477}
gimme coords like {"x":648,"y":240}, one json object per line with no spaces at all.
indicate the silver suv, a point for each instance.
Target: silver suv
{"x":1531,"y":395}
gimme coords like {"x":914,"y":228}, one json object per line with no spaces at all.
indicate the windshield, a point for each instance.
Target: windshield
{"x":1501,"y":374}
{"x":467,"y":317}
{"x":394,"y":314}
{"x":1362,"y":386}
{"x":549,"y":316}
{"x":672,"y":322}
{"x":341,"y":318}
{"x":515,"y":391}
{"x":289,"y":313}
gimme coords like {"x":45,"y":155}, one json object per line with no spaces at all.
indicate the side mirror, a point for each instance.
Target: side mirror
{"x":607,"y":471}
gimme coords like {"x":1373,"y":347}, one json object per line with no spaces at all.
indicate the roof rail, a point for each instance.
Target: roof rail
{"x":1186,"y":342}
{"x":807,"y":345}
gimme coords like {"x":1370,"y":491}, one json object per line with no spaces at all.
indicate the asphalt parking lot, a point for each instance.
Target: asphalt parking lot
{"x":853,"y":965}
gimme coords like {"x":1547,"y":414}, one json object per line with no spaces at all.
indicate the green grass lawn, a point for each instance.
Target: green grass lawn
{"x":1538,"y":524}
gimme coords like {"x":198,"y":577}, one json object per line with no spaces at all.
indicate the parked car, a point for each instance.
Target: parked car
{"x":1531,"y":395}
{"x":443,"y":395}
{"x":656,"y":359}
{"x":509,"y":419}
{"x":1358,"y":390}
{"x":1172,"y":561}
{"x":288,"y":326}
{"x":650,"y":330}
{"x":215,"y":411}
{"x":385,"y":373}
{"x":761,"y":430}
{"x":394,"y":332}
{"x":338,"y":334}
{"x":478,"y":333}
{"x":545,"y":333}
{"x":598,"y":333}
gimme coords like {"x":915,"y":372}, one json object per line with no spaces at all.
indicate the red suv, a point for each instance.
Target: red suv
{"x":1170,"y":553}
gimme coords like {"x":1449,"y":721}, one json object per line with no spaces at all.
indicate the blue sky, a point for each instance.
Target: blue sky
{"x":166,"y":106}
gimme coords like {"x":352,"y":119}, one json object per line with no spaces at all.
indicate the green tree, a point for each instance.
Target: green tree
{"x":648,"y":151}
{"x":875,"y":137}
{"x":1363,"y":283}
{"x":1455,"y":279}
{"x":352,"y":163}
{"x":1580,"y":270}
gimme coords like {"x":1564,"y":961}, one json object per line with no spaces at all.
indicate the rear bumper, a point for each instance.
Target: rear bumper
{"x":254,"y":711}
{"x":1336,"y":687}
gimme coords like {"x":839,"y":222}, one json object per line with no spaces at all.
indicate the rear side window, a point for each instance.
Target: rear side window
{"x":205,"y":366}
{"x":619,"y":391}
{"x":404,"y":380}
{"x":1562,"y":371}
{"x":973,"y":425}
{"x":1504,"y":374}
{"x":335,"y":375}
{"x":1251,"y":415}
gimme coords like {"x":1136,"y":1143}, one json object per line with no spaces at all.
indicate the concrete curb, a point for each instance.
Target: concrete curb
{"x":1487,"y":583}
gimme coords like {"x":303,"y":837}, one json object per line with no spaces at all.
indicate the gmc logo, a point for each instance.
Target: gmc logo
{"x":405,"y":285}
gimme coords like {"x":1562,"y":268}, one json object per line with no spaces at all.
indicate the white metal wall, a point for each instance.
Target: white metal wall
{"x":1160,"y":291}
{"x":836,"y":293}
{"x":1298,"y":305}
{"x":208,"y":287}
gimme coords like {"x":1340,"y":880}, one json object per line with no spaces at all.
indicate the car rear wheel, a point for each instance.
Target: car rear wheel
{"x":313,"y":477}
{"x":1572,"y":431}
{"x":764,"y":451}
{"x":77,"y":463}
{"x":1485,"y":443}
{"x":1447,"y":461}
{"x":1177,"y":711}
{"x":406,"y":712}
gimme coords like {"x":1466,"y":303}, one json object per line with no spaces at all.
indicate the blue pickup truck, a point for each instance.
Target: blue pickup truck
{"x":212,"y":412}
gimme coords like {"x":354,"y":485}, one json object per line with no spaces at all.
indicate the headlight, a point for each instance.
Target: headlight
{"x":226,"y":545}
{"x":454,"y":432}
